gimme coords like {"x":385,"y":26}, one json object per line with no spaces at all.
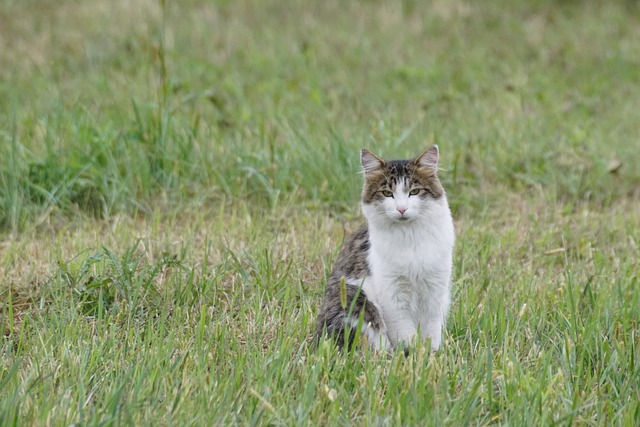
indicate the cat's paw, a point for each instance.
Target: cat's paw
{"x":375,"y":339}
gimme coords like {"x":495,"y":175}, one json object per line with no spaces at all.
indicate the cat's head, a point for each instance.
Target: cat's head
{"x":401,"y":191}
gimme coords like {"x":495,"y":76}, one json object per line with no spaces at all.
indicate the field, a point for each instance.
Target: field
{"x":177,"y":177}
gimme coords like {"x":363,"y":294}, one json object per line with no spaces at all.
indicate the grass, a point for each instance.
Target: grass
{"x":175,"y":181}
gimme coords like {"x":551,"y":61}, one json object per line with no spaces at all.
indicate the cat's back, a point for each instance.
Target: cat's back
{"x":352,"y":260}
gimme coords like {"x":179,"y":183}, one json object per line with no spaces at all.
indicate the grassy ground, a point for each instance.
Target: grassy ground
{"x":175,"y":180}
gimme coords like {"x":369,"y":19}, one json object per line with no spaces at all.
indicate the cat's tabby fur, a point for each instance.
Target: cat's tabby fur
{"x":392,"y":279}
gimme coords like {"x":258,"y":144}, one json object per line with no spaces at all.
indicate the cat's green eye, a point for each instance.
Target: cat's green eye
{"x":414,"y":192}
{"x":387,"y":193}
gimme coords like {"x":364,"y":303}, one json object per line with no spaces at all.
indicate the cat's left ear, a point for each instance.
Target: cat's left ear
{"x":429,"y":159}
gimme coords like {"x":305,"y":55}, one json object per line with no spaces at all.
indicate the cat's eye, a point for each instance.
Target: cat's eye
{"x":414,"y":192}
{"x":387,"y":193}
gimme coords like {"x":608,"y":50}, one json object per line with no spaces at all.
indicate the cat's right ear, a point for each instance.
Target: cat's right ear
{"x":369,"y":161}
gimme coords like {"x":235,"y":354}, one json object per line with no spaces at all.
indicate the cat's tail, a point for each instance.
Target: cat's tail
{"x":347,"y":313}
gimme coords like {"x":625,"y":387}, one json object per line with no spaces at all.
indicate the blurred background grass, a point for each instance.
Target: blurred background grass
{"x":111,"y":107}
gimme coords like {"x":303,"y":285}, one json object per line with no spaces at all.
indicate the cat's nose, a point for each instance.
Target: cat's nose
{"x":401,"y":210}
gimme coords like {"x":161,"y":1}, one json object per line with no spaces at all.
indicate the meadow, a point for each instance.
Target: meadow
{"x":177,"y":177}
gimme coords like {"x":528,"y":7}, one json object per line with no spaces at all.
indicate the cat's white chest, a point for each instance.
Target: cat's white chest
{"x":413,"y":251}
{"x":408,"y":265}
{"x":410,"y":278}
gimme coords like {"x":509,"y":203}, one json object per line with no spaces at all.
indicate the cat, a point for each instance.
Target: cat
{"x":392,"y":278}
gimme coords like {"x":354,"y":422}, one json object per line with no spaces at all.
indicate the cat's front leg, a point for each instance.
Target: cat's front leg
{"x":432,"y":323}
{"x":433,"y":330}
{"x":402,"y":329}
{"x":433,"y":317}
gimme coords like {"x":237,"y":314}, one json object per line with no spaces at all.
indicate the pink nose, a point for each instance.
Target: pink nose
{"x":401,"y":210}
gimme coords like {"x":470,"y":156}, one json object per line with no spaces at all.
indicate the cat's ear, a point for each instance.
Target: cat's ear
{"x":369,"y":161}
{"x":429,"y":159}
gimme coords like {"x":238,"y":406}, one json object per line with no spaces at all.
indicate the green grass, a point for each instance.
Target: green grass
{"x":175,"y":181}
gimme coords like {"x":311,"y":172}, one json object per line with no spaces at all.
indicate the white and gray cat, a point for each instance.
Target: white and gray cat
{"x":392,"y":278}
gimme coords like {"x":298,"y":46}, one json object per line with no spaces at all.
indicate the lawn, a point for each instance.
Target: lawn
{"x":177,"y":177}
